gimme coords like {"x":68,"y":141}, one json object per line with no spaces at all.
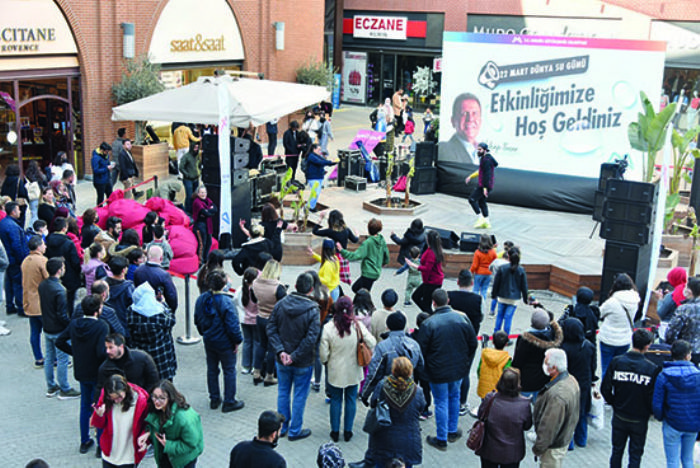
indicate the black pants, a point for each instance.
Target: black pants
{"x":636,"y":432}
{"x":102,"y":191}
{"x":293,"y":162}
{"x":489,"y":464}
{"x":70,"y":299}
{"x":478,"y":202}
{"x":425,"y":385}
{"x":423,"y":296}
{"x":362,"y":283}
{"x":464,"y":389}
{"x":271,"y":143}
{"x":203,"y":240}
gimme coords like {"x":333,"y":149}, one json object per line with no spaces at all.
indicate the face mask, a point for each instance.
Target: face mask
{"x":545,"y":369}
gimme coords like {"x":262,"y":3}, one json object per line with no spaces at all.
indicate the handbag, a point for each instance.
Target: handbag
{"x":377,"y":418}
{"x":364,"y":354}
{"x":478,"y":430}
{"x":18,"y":200}
{"x":33,"y":190}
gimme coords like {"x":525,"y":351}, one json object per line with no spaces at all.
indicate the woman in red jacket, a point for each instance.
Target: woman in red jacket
{"x":120,"y":413}
{"x":483,"y":257}
{"x":431,"y":272}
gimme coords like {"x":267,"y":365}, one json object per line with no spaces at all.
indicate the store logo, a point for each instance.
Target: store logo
{"x":380,"y":27}
{"x":25,"y":39}
{"x":198,"y":44}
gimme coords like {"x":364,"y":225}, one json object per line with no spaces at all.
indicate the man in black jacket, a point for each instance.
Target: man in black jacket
{"x":292,"y":147}
{"x":628,"y":386}
{"x":84,"y":339}
{"x":135,"y":365}
{"x":260,"y":452}
{"x":156,"y":276}
{"x":449,"y":345}
{"x":293,"y":330}
{"x":54,"y":316}
{"x":59,"y":245}
{"x":120,"y":290}
{"x":107,"y":314}
{"x":128,"y":170}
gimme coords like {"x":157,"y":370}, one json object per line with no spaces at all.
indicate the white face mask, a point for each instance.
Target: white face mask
{"x":545,"y":369}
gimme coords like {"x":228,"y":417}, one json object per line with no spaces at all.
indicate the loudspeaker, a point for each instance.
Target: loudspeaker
{"x":469,"y":242}
{"x":608,"y":171}
{"x":263,"y":186}
{"x":240,"y":208}
{"x":626,"y":190}
{"x":239,"y":177}
{"x":240,"y":145}
{"x":239,"y":160}
{"x":623,"y":231}
{"x":625,"y":258}
{"x":210,"y":143}
{"x":425,"y":154}
{"x":449,"y":239}
{"x":424,"y":181}
{"x":617,"y":210}
{"x":598,"y":205}
{"x":695,"y":187}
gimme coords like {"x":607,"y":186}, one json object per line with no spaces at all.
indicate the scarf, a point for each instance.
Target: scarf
{"x":399,"y":392}
{"x":678,"y":278}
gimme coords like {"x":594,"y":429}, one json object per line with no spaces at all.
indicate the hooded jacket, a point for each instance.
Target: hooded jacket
{"x":686,"y":325}
{"x":396,"y":344}
{"x":487,"y":168}
{"x":86,"y":345}
{"x":617,"y":314}
{"x":374,"y":255}
{"x":294,"y":328}
{"x":59,"y":245}
{"x":135,"y":365}
{"x":529,"y":355}
{"x":493,"y":362}
{"x":216,"y":319}
{"x":157,"y":277}
{"x":100,"y":167}
{"x":94,"y":269}
{"x":14,"y":240}
{"x":581,"y":358}
{"x":410,"y":239}
{"x":676,"y":396}
{"x":120,"y":298}
{"x":583,"y":310}
{"x":628,"y":386}
{"x":256,"y":252}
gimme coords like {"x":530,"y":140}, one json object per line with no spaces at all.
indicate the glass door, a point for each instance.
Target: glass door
{"x":389,"y":84}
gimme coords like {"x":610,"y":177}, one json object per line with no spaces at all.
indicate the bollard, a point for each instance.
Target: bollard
{"x":188,"y":339}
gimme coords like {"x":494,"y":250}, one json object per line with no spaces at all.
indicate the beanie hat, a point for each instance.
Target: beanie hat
{"x":330,"y":456}
{"x":539,"y":319}
{"x":328,"y":244}
{"x":396,"y":321}
{"x":584,"y":295}
{"x":389,"y":298}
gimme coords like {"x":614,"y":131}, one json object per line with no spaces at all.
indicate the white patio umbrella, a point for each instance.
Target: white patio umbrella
{"x":256,"y":101}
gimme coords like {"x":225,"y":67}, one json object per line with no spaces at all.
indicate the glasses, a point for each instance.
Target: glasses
{"x":159,"y":398}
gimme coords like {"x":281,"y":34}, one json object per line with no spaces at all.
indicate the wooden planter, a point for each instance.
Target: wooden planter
{"x":151,"y":160}
{"x":296,"y":247}
{"x":680,"y":243}
{"x":670,"y":260}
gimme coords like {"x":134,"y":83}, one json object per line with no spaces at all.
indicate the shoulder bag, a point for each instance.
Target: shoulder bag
{"x":478,"y":430}
{"x":364,"y":354}
{"x":377,"y":418}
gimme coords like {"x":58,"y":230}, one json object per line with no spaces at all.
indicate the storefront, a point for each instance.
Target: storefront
{"x":384,"y":51}
{"x":40,"y":105}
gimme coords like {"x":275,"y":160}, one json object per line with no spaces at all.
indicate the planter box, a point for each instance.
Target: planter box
{"x":670,"y":261}
{"x":151,"y":160}
{"x":682,"y":244}
{"x":296,"y":247}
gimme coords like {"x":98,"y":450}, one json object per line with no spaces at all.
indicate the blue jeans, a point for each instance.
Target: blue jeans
{"x":13,"y":289}
{"x":190,"y":187}
{"x":318,"y":184}
{"x":34,"y":208}
{"x":87,"y":394}
{"x":678,"y":447}
{"x":446,"y":400}
{"x":55,"y":354}
{"x":349,"y":394}
{"x":335,"y":294}
{"x":227,"y":359}
{"x":505,"y":312}
{"x":481,"y":284}
{"x":531,"y":395}
{"x":607,"y":353}
{"x":300,"y":379}
{"x":249,"y":339}
{"x":35,"y":326}
{"x":264,"y":358}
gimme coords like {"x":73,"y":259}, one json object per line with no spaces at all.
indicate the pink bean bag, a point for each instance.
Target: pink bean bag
{"x":184,"y":265}
{"x":168,"y":211}
{"x":131,"y":212}
{"x":102,"y":214}
{"x":182,"y":241}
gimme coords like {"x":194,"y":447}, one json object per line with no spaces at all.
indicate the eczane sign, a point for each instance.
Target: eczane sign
{"x":380,"y":27}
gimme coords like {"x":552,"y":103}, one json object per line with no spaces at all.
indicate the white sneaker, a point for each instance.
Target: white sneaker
{"x":4,"y":331}
{"x":531,"y":436}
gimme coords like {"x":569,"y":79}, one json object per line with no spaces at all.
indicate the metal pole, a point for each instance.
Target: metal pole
{"x":188,"y":339}
{"x":155,"y":184}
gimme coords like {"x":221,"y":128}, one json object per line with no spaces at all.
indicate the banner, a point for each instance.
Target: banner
{"x":354,"y":82}
{"x":224,"y":159}
{"x":547,"y":105}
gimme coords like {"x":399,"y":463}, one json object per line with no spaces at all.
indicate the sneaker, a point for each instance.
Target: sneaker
{"x":463,"y":410}
{"x":485,"y":224}
{"x":86,"y":446}
{"x":437,"y":443}
{"x":53,"y":391}
{"x":39,"y":364}
{"x":425,"y":415}
{"x":235,"y":406}
{"x":70,"y":394}
{"x":246,"y":370}
{"x":474,"y":412}
{"x":479,"y":222}
{"x":492,"y":314}
{"x":4,"y":331}
{"x":302,"y":435}
{"x":454,"y":436}
{"x":316,"y":387}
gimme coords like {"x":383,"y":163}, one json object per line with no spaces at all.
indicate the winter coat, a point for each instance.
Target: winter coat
{"x":260,"y":453}
{"x":256,"y":252}
{"x":127,"y":165}
{"x":617,"y":314}
{"x":267,"y":292}
{"x":556,"y":413}
{"x":168,"y":254}
{"x":14,"y":240}
{"x":108,"y":316}
{"x":33,"y":273}
{"x":139,"y":427}
{"x":510,"y":284}
{"x":135,"y":365}
{"x":88,"y":234}
{"x":183,"y":433}
{"x":340,"y":354}
{"x":290,"y":143}
{"x":374,"y":254}
{"x":403,"y":438}
{"x":628,"y":385}
{"x":316,"y":166}
{"x":216,"y":319}
{"x":100,"y":168}
{"x":59,"y":245}
{"x":430,"y":269}
{"x":588,"y":315}
{"x":76,"y":242}
{"x":482,"y":261}
{"x":493,"y":362}
{"x":449,"y":343}
{"x":469,"y":303}
{"x":46,"y":212}
{"x":676,"y":396}
{"x":409,"y":239}
{"x":686,"y":325}
{"x":84,"y":339}
{"x":120,"y":293}
{"x":106,"y":240}
{"x":529,"y":355}
{"x":487,"y":168}
{"x":581,"y":358}
{"x":294,"y":328}
{"x":203,"y":211}
{"x":93,"y":270}
{"x":157,"y":277}
{"x":188,"y":166}
{"x":337,"y":236}
{"x":396,"y":344}
{"x":150,"y":326}
{"x":54,"y":306}
{"x":508,"y":419}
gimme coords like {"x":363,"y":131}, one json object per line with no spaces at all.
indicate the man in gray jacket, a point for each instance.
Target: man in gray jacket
{"x":556,"y":411}
{"x":293,"y":330}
